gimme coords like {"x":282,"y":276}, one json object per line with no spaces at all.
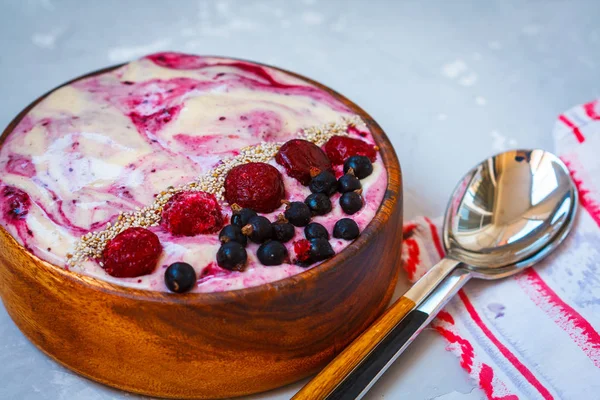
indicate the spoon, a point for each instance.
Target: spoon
{"x":506,"y":214}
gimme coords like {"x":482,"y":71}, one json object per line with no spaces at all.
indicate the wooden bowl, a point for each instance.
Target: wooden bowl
{"x":211,"y":345}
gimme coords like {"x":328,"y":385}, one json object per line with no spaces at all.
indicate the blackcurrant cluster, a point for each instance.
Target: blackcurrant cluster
{"x":180,"y":277}
{"x":248,"y":225}
{"x":355,"y":168}
{"x":324,"y":185}
{"x":318,"y":237}
{"x":316,"y":246}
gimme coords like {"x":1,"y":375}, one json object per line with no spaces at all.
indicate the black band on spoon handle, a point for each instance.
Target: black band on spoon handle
{"x":366,"y":374}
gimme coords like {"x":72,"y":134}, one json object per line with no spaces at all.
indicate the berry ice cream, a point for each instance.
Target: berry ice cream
{"x":112,"y":150}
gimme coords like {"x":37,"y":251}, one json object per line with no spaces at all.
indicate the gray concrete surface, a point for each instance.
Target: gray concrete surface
{"x":450,"y":81}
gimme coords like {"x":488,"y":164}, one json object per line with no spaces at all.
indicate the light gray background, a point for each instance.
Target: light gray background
{"x":450,"y":81}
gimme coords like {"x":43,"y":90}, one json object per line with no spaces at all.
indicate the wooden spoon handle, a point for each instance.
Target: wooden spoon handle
{"x":349,"y":366}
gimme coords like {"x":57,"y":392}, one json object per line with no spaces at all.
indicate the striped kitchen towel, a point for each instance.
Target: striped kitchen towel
{"x":535,"y":335}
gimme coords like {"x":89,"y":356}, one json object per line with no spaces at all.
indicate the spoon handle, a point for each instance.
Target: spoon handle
{"x":355,"y":369}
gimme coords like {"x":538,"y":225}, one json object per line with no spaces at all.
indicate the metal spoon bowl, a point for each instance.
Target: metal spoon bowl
{"x":504,"y":211}
{"x":507,"y":209}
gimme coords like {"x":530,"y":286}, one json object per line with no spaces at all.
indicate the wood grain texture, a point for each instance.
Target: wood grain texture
{"x":209,"y":345}
{"x":335,"y":372}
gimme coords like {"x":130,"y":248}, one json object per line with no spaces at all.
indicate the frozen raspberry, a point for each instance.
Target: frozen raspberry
{"x":132,"y":253}
{"x":302,"y":251}
{"x":302,"y":160}
{"x":17,"y":202}
{"x":339,"y":148}
{"x":256,"y":185}
{"x":191,"y":213}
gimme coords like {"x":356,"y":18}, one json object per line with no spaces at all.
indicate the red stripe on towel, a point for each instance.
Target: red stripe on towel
{"x":436,"y":238}
{"x":486,"y":374}
{"x":573,"y":127}
{"x":585,"y":195}
{"x":468,"y":359}
{"x":590,"y":109}
{"x":569,"y":320}
{"x":527,"y":374}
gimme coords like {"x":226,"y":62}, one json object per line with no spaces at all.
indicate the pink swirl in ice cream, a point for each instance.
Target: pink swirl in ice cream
{"x":109,"y":143}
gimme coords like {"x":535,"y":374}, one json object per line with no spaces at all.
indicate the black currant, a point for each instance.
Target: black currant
{"x":320,"y":249}
{"x":283,"y":231}
{"x":272,"y":253}
{"x":232,"y":256}
{"x":348,"y":183}
{"x":324,"y":183}
{"x":180,"y":277}
{"x":360,"y":165}
{"x":233,"y":233}
{"x":318,"y":203}
{"x":241,"y":216}
{"x":298,"y":213}
{"x":346,"y":229}
{"x":315,"y":230}
{"x":351,"y":202}
{"x":258,"y":229}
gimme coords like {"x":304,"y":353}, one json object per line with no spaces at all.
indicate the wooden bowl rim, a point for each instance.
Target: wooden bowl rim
{"x":390,"y":200}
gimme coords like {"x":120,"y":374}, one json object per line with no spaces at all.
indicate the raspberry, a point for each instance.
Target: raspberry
{"x":302,"y":250}
{"x":132,"y":253}
{"x":302,"y":160}
{"x":17,"y":202}
{"x":191,"y":213}
{"x":339,"y":148}
{"x":255,"y":185}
